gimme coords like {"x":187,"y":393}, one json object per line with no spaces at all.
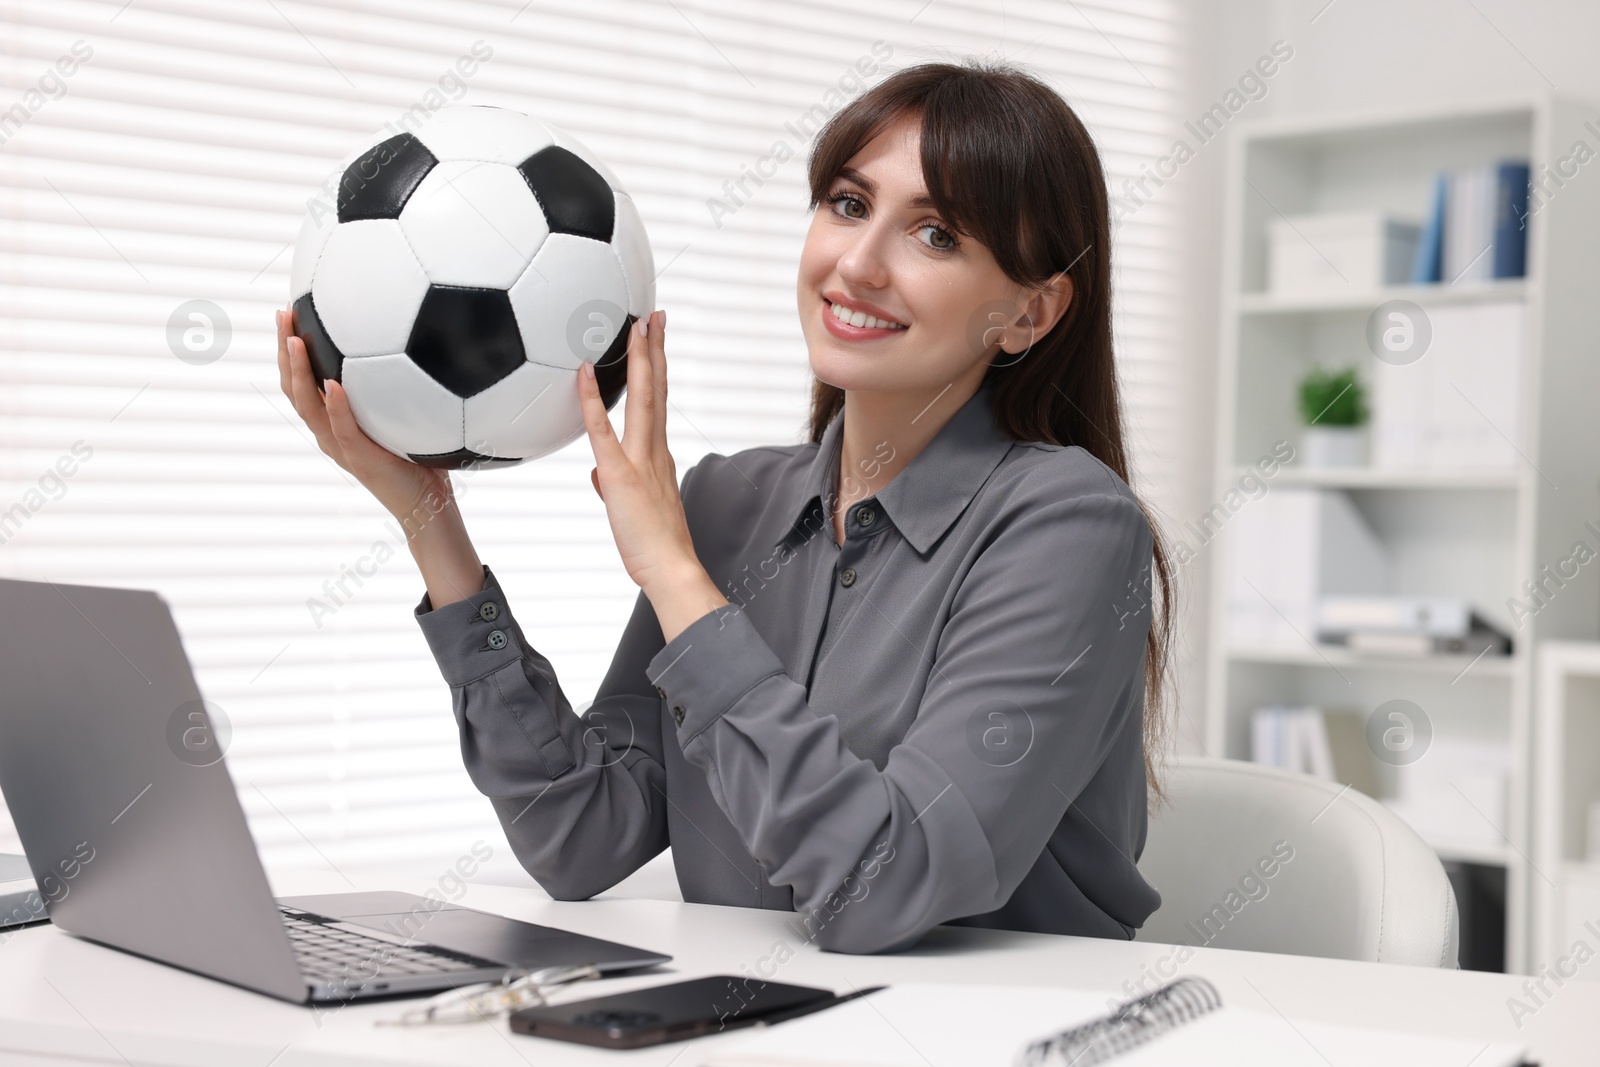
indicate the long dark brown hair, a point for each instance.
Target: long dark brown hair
{"x":1008,"y":163}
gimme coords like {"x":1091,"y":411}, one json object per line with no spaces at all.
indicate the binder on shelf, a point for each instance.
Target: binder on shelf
{"x":1458,"y":406}
{"x":1425,"y":268}
{"x":1468,"y":253}
{"x":1476,"y":230}
{"x":1288,"y":550}
{"x":1510,"y":220}
{"x":1183,"y":1022}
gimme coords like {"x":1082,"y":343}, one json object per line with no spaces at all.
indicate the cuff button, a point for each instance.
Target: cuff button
{"x":489,"y":611}
{"x":660,"y":692}
{"x":677,"y":714}
{"x":497,"y":639}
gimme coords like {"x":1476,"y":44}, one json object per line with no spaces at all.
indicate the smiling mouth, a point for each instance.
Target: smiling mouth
{"x":860,"y":319}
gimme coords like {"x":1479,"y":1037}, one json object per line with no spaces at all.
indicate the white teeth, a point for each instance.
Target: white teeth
{"x":861,"y":318}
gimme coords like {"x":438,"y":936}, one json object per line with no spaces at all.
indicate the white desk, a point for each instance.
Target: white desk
{"x":65,"y":1001}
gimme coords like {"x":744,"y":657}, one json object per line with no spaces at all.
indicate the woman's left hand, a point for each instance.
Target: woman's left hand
{"x":636,"y":477}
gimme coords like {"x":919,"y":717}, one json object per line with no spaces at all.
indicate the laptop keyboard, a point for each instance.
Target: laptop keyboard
{"x":328,"y":950}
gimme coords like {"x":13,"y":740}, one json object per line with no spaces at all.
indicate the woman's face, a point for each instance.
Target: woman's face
{"x":935,"y":303}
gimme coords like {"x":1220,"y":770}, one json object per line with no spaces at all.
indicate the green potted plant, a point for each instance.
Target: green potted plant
{"x":1333,"y":406}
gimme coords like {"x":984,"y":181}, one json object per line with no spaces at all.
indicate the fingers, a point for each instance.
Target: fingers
{"x":357,"y":447}
{"x":308,"y":403}
{"x":285,"y":326}
{"x":658,"y":380}
{"x":596,"y":420}
{"x":641,"y":395}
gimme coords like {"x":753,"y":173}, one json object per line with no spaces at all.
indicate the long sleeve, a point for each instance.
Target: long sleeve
{"x":581,"y":798}
{"x":1039,"y":644}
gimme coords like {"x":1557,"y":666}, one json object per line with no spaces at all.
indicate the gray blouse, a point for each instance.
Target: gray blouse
{"x":937,"y":721}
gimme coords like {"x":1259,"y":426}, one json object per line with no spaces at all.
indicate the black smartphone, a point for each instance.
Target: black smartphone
{"x":673,"y":1012}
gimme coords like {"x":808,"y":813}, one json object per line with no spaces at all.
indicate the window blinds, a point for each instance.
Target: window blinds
{"x":155,"y":161}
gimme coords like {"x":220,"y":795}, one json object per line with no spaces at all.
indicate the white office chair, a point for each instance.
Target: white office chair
{"x":1252,"y":857}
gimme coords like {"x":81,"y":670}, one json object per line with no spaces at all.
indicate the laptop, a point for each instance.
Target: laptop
{"x":135,"y":837}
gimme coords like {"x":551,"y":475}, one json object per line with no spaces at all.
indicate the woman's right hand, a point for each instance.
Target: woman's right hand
{"x":410,"y":492}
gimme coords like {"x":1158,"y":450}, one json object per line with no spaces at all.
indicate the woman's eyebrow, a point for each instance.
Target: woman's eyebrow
{"x":871,"y":187}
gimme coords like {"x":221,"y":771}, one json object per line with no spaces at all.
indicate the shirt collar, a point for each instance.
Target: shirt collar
{"x":938,"y":484}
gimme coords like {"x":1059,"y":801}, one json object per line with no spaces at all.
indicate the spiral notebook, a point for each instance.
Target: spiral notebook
{"x":1183,"y":1022}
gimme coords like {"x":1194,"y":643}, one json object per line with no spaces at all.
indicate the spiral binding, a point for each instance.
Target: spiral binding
{"x":1129,"y":1026}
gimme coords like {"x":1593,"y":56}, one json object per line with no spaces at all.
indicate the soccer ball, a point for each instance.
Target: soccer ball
{"x":454,"y":278}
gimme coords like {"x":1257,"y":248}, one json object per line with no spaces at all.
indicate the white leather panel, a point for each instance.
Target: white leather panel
{"x":571,"y":302}
{"x":400,"y":407}
{"x":368,"y":287}
{"x":315,"y":230}
{"x":474,"y":224}
{"x":530,"y":413}
{"x":492,"y":134}
{"x":632,"y":245}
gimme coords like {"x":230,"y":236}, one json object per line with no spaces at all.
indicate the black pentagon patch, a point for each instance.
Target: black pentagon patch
{"x":466,"y":339}
{"x":461,"y":458}
{"x":575,"y":198}
{"x":377,"y":185}
{"x":326,"y":359}
{"x":611,"y":369}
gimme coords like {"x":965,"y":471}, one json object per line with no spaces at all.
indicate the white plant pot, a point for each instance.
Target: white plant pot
{"x":1335,"y":446}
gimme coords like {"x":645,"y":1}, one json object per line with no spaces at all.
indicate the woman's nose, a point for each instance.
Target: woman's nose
{"x":865,"y":261}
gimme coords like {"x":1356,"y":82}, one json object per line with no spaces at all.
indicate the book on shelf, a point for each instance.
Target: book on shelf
{"x":1476,"y":227}
{"x":1328,"y":744}
{"x":1457,"y":406}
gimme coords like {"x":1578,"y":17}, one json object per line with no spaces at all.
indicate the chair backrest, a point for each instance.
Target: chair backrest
{"x":1252,"y":857}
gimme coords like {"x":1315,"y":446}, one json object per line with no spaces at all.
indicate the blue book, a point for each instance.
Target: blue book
{"x":1511,"y":220}
{"x":1425,"y":268}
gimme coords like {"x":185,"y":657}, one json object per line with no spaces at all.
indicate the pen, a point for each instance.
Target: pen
{"x":807,"y":1009}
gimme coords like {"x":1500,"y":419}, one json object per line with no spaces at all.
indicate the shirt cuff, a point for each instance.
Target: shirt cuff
{"x":703,"y":671}
{"x":473,"y":637}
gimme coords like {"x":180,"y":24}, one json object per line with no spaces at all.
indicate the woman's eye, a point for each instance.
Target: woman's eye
{"x":943,"y":239}
{"x":846,"y":199}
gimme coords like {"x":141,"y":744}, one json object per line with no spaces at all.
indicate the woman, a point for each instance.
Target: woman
{"x":907,"y":673}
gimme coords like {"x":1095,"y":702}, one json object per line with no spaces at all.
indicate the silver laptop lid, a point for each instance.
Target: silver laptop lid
{"x":119,"y":792}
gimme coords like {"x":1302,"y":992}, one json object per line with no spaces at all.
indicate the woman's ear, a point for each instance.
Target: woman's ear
{"x":1039,"y":316}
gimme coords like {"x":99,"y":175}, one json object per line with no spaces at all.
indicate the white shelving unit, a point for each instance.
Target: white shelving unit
{"x":1566,"y":778}
{"x":1473,"y":533}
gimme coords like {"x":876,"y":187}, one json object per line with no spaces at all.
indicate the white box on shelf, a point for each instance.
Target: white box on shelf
{"x":1290,"y":549}
{"x":1345,"y":252}
{"x":1456,"y":792}
{"x":1455,"y":407}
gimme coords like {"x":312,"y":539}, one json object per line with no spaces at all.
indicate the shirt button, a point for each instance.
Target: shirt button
{"x":677,"y":714}
{"x":660,"y":692}
{"x":847,"y":577}
{"x":866,"y":516}
{"x":489,"y":611}
{"x":497,"y":639}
